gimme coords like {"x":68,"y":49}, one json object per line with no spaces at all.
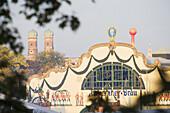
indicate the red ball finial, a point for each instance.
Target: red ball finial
{"x":132,"y":31}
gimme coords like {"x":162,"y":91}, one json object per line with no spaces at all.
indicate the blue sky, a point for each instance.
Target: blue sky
{"x":151,"y":18}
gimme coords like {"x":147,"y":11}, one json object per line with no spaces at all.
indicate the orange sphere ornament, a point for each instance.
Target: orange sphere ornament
{"x":132,"y":31}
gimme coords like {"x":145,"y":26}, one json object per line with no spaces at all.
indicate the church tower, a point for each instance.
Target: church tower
{"x":32,"y":45}
{"x":48,"y":40}
{"x":149,"y":51}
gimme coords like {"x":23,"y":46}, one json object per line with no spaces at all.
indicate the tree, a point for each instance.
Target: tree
{"x":44,"y":61}
{"x":10,"y":62}
{"x":41,"y":10}
{"x":12,"y":81}
{"x":49,"y":60}
{"x":13,"y":89}
{"x":27,"y":72}
{"x":98,"y":103}
{"x":34,"y":67}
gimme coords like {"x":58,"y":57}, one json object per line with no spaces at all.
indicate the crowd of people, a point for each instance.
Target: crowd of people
{"x":58,"y":98}
{"x":61,"y":98}
{"x":79,"y":99}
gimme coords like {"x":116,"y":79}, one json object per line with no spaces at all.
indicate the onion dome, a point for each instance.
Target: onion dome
{"x":48,"y":33}
{"x":32,"y":33}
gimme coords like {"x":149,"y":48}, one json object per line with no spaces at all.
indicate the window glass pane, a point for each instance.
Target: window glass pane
{"x":105,"y":77}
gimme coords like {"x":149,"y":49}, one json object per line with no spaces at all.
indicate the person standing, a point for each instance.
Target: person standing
{"x":77,"y":99}
{"x":52,"y":99}
{"x":81,"y":99}
{"x":57,"y":98}
{"x":47,"y":94}
{"x":68,"y":98}
{"x":154,"y":98}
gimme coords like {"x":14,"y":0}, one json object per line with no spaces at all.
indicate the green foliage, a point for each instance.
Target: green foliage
{"x":50,"y":59}
{"x":42,"y":11}
{"x":97,"y":101}
{"x":44,"y":62}
{"x":33,"y":68}
{"x":35,"y":65}
{"x":11,"y":82}
{"x":8,"y":35}
{"x":10,"y":61}
{"x":13,"y":89}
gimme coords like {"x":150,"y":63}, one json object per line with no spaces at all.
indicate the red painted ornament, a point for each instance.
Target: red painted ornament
{"x":132,"y":31}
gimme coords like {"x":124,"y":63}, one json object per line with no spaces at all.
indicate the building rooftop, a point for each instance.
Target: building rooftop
{"x":162,"y":50}
{"x":164,"y":62}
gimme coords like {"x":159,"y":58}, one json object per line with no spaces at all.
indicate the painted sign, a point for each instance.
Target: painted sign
{"x":112,"y":32}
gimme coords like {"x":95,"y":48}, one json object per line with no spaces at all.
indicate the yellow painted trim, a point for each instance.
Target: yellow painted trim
{"x":68,"y":63}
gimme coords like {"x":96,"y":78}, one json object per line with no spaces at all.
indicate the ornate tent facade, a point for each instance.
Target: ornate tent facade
{"x":116,"y":68}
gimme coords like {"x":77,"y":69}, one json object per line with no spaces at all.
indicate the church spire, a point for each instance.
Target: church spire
{"x":149,"y":51}
{"x":48,"y":36}
{"x":32,"y":45}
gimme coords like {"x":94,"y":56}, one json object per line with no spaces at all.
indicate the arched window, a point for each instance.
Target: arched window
{"x":112,"y":76}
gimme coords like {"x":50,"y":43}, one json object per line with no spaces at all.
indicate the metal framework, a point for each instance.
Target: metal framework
{"x":112,"y":76}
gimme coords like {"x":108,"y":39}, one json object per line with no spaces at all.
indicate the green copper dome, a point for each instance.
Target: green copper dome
{"x":48,"y":33}
{"x":32,"y":33}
